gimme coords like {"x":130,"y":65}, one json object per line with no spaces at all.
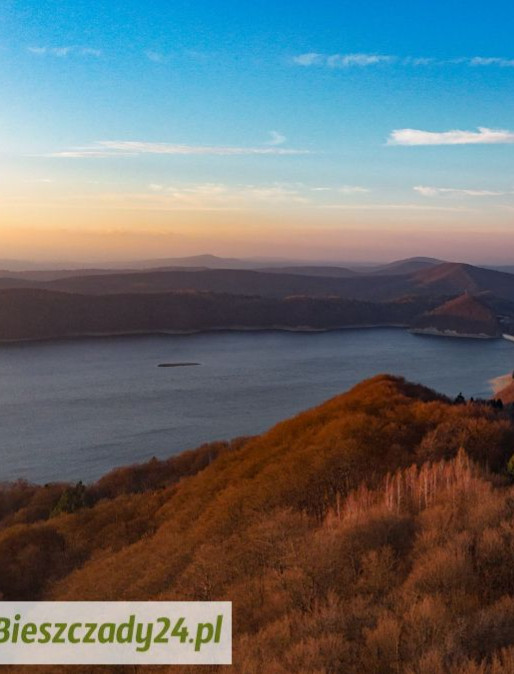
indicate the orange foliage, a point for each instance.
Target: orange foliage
{"x":361,"y":536}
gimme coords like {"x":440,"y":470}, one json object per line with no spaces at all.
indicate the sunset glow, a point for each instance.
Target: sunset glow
{"x":131,"y":131}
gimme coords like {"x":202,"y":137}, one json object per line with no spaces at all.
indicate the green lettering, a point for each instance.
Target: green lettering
{"x":106,"y":633}
{"x":4,"y":630}
{"x":125,"y":631}
{"x":28,"y":632}
{"x":58,"y":638}
{"x":88,"y":639}
{"x":45,"y":631}
{"x":204,"y":634}
{"x":161,"y":638}
{"x":71,"y":633}
{"x":144,"y":639}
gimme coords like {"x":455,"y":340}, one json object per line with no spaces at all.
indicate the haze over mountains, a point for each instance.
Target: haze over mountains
{"x":392,"y":283}
{"x":189,"y":297}
{"x":209,"y":261}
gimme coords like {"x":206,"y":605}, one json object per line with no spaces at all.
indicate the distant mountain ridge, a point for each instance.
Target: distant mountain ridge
{"x":407,"y":266}
{"x":337,"y":300}
{"x":446,"y":279}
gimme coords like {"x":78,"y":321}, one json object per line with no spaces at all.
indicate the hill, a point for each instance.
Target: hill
{"x":42,"y":314}
{"x":452,"y":278}
{"x":506,"y":395}
{"x":407,"y":266}
{"x":463,"y":316}
{"x":241,"y":282}
{"x":447,"y":279}
{"x":366,"y":535}
{"x":199,"y":300}
{"x":307,"y":270}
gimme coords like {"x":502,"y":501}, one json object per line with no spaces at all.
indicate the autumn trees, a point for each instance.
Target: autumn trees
{"x":371,"y":534}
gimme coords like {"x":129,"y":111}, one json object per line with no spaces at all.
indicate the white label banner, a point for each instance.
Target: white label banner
{"x":115,"y":633}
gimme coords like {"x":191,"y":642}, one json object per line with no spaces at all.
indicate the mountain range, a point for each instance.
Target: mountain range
{"x":443,"y":279}
{"x":70,"y":302}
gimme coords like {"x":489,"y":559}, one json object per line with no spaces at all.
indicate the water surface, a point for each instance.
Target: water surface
{"x":72,"y":410}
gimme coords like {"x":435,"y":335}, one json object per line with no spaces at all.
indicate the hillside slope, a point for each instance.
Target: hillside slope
{"x":241,"y":282}
{"x":446,"y":279}
{"x":408,"y":266}
{"x":453,"y":278}
{"x":341,"y":548}
{"x":463,"y":316}
{"x":41,"y":314}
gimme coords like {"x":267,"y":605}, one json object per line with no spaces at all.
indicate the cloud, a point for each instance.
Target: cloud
{"x":343,"y":189}
{"x":484,"y":136}
{"x":206,"y":197}
{"x":369,"y":59}
{"x":40,"y":51}
{"x":341,"y":60}
{"x":276,"y":138}
{"x":155,"y":56}
{"x":111,"y":148}
{"x":347,"y":60}
{"x":491,"y":61}
{"x":352,"y":189}
{"x":88,"y":51}
{"x":61,"y":52}
{"x":309,"y":59}
{"x":393,"y":207}
{"x":427,"y":191}
{"x":418,"y":61}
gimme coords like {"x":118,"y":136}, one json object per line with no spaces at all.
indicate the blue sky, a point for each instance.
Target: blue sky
{"x":320,"y":130}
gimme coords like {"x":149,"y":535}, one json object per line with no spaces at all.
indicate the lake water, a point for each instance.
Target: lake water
{"x":72,"y":410}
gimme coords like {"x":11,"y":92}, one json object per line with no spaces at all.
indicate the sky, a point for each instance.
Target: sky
{"x":331,"y":130}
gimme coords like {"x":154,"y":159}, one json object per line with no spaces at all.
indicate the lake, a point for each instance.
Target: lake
{"x":72,"y":410}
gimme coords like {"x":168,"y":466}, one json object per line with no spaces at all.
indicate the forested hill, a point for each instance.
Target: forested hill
{"x":42,"y":314}
{"x":373,"y":533}
{"x":151,"y":301}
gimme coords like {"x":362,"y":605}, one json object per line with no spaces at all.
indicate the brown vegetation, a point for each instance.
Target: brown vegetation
{"x":371,"y":534}
{"x":463,"y":315}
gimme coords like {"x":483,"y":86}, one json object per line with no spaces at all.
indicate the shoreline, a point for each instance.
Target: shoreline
{"x":201,"y":331}
{"x":434,"y":332}
{"x":302,"y":329}
{"x":500,"y":383}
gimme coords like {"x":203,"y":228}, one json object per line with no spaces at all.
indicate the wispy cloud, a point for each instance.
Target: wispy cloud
{"x":89,"y":51}
{"x":62,"y":52}
{"x":393,"y":207}
{"x":111,"y":148}
{"x":155,"y":56}
{"x":418,"y":61}
{"x":483,"y":136}
{"x":334,"y":189}
{"x":491,"y":61}
{"x":369,"y":59}
{"x":427,"y":191}
{"x":207,"y":196}
{"x":276,"y":138}
{"x":341,"y":60}
{"x":352,"y":189}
